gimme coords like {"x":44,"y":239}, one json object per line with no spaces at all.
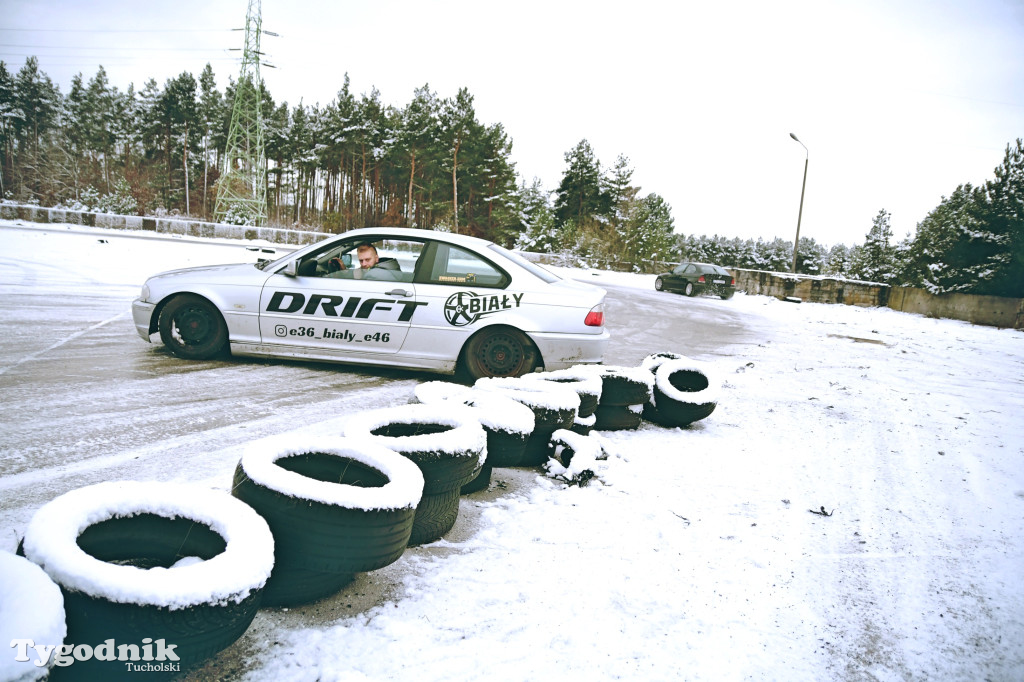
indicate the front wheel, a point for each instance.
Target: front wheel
{"x":501,"y":352}
{"x":192,"y":328}
{"x":689,"y":289}
{"x":658,"y":284}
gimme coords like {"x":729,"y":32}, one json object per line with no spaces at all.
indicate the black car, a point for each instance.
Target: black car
{"x":698,"y":278}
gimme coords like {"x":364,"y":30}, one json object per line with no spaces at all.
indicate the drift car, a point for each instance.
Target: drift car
{"x":433,"y":301}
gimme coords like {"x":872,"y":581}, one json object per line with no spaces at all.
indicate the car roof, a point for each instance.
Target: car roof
{"x":418,"y":233}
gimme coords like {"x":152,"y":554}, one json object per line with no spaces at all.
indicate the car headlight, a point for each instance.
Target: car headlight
{"x":145,"y":292}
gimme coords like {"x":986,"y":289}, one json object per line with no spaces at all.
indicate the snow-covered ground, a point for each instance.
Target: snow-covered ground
{"x":694,"y":555}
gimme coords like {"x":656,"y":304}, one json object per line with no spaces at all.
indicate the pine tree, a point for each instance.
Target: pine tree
{"x":580,"y":199}
{"x":648,"y":236}
{"x":1004,"y":213}
{"x":875,"y":261}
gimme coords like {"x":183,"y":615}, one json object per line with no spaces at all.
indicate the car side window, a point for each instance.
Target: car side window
{"x":690,"y":269}
{"x":456,"y":266}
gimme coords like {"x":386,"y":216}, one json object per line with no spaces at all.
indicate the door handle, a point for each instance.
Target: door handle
{"x":398,"y":292}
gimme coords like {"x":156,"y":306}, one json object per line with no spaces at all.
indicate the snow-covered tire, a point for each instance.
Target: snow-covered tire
{"x":655,"y":360}
{"x":435,"y":516}
{"x":482,"y":480}
{"x":584,"y":425}
{"x":684,"y":392}
{"x":116,"y":550}
{"x":554,"y":407}
{"x":445,"y":441}
{"x":336,"y":507}
{"x":618,"y":417}
{"x":31,"y":607}
{"x":506,"y":422}
{"x":581,"y":379}
{"x":623,"y":385}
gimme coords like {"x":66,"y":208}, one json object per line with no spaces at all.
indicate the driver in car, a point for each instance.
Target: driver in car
{"x":368,"y":260}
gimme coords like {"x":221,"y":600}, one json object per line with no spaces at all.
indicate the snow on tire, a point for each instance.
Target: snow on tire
{"x":335,"y":507}
{"x":623,"y":385}
{"x":173,"y":562}
{"x":31,"y":607}
{"x":507,"y":423}
{"x":580,"y":378}
{"x":685,"y":391}
{"x":554,"y":407}
{"x":445,"y":441}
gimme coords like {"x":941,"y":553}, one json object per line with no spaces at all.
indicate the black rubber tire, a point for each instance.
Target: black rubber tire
{"x":442,"y":472}
{"x":192,"y":328}
{"x":671,"y":412}
{"x":320,"y":537}
{"x":498,"y":352}
{"x":688,"y":289}
{"x":616,"y":418}
{"x":538,"y":446}
{"x":659,"y":285}
{"x":434,"y":517}
{"x":296,"y":586}
{"x":482,"y":480}
{"x":624,"y":386}
{"x":505,"y":449}
{"x":580,"y":379}
{"x":209,"y":613}
{"x":726,"y":297}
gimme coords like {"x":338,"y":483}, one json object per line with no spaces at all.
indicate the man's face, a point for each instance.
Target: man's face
{"x":367,"y":257}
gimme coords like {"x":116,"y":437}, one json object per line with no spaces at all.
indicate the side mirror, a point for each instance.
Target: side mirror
{"x":291,"y":269}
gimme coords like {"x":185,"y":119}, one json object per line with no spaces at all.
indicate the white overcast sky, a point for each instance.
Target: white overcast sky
{"x":898,"y":101}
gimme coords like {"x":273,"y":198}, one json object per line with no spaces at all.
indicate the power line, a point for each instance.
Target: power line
{"x":118,"y":30}
{"x":111,"y":47}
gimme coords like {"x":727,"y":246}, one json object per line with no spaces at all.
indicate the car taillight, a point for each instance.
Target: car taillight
{"x":732,"y":281}
{"x":701,"y":279}
{"x":595,"y":318}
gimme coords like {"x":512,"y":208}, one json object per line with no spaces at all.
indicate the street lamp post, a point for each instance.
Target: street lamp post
{"x":800,"y":215}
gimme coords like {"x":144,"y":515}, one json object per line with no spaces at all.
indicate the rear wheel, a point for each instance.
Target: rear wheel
{"x":689,"y":289}
{"x":499,"y":352}
{"x":659,"y":284}
{"x":192,"y":328}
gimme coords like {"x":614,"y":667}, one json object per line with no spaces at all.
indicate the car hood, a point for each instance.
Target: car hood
{"x":207,"y":271}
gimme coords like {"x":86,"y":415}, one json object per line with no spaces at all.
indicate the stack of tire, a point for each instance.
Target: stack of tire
{"x":507,"y":423}
{"x":31,"y":608}
{"x":180,"y":564}
{"x":588,"y":387}
{"x":624,"y":392}
{"x":336,"y":507}
{"x":684,"y":390}
{"x":554,"y":407}
{"x":446,"y":442}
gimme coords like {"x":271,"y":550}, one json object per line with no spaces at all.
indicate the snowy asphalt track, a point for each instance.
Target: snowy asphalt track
{"x":692,"y":555}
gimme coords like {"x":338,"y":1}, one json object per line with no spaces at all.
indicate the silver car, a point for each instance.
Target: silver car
{"x":421,"y":299}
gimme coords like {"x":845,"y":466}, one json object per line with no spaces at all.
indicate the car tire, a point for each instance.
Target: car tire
{"x":618,"y":417}
{"x":726,"y":297}
{"x":554,"y":407}
{"x":659,"y":285}
{"x":435,"y":516}
{"x":498,"y":352}
{"x":623,"y":385}
{"x":507,"y":423}
{"x":581,"y":379}
{"x":101,"y":543}
{"x":335,"y":507}
{"x":688,"y":289}
{"x":192,"y":328}
{"x":482,"y":480}
{"x":32,"y":607}
{"x":684,"y":392}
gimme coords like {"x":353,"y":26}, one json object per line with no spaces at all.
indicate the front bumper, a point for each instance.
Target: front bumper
{"x":142,"y":314}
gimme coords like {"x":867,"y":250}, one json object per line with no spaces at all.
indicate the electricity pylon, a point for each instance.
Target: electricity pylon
{"x":242,"y":188}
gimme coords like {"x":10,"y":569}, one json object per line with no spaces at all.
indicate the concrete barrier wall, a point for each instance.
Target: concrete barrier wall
{"x":992,"y":311}
{"x":185,"y":227}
